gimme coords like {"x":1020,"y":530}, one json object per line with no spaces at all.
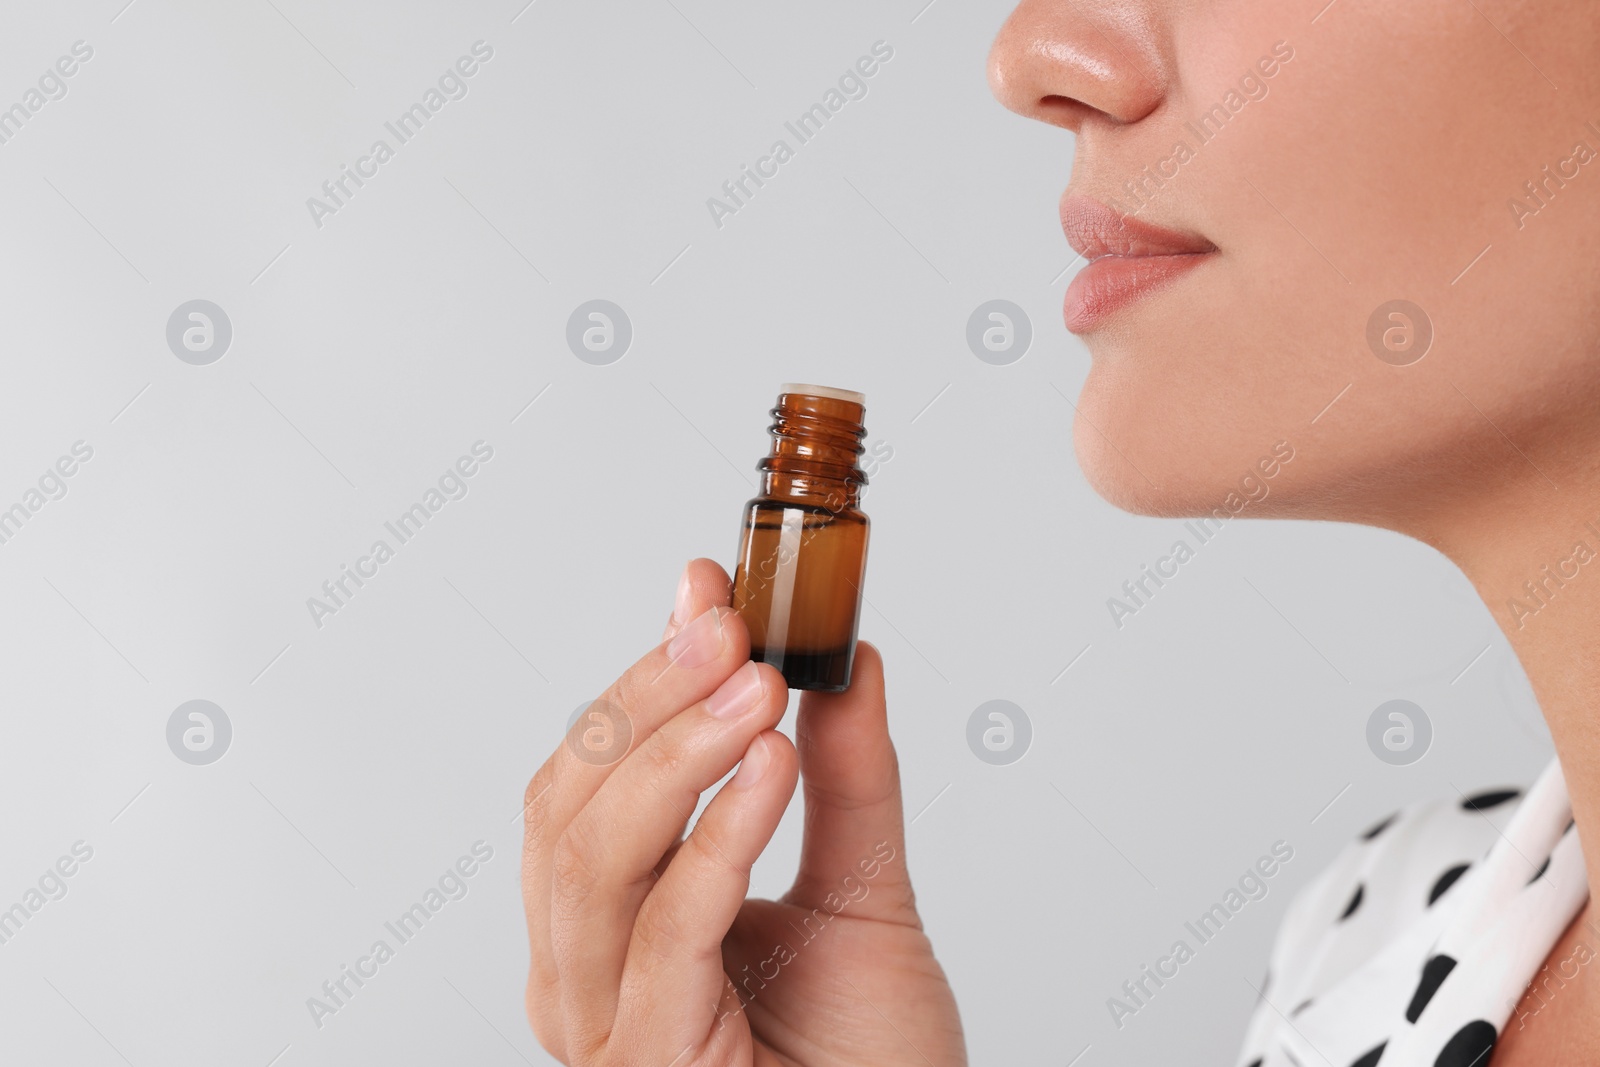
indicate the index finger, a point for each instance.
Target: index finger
{"x":683,"y":669}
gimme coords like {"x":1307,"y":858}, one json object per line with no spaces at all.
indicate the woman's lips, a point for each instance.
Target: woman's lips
{"x":1128,"y":259}
{"x":1111,"y":283}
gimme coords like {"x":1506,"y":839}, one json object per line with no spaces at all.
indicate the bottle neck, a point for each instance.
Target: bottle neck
{"x":816,"y":446}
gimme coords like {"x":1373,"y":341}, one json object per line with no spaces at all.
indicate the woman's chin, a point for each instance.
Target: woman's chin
{"x":1162,"y":471}
{"x":1122,"y":481}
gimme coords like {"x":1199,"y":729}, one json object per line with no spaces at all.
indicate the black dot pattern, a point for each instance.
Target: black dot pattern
{"x":1371,"y":1056}
{"x":1355,"y":902}
{"x":1434,"y":972}
{"x":1379,"y":827}
{"x":1366,"y":949}
{"x":1492,"y":799}
{"x":1470,"y":1047}
{"x":1446,"y":880}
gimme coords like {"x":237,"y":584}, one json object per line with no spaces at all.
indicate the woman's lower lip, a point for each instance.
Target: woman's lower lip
{"x":1111,"y":283}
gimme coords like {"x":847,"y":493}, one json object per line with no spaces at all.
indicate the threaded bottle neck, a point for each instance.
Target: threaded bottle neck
{"x":816,"y":445}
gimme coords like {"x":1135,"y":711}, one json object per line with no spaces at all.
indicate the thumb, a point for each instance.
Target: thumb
{"x":854,"y":844}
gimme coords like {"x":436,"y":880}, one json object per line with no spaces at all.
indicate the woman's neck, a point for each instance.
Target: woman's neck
{"x":1534,"y":557}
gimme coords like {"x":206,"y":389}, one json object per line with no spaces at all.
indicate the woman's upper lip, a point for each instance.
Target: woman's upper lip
{"x":1095,"y":230}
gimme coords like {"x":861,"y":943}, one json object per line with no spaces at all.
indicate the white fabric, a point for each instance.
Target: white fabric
{"x":1341,"y":982}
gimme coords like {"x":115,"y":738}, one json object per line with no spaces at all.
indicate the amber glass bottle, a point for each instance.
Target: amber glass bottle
{"x":803,"y":551}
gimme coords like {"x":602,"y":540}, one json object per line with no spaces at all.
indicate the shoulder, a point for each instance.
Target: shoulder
{"x":1391,"y":883}
{"x":1398,"y":868}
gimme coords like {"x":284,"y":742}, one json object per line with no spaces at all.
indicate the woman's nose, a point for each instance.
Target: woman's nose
{"x":1075,"y":62}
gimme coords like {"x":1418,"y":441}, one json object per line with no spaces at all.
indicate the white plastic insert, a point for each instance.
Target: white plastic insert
{"x":824,"y":390}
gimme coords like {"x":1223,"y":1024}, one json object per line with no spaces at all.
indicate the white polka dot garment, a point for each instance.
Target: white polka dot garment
{"x":1415,"y":946}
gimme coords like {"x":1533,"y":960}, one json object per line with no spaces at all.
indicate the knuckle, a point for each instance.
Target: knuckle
{"x":535,"y":802}
{"x":903,"y":902}
{"x":665,"y":757}
{"x":660,"y":934}
{"x":630,"y":692}
{"x":708,"y":856}
{"x":538,"y":786}
{"x":575,"y":864}
{"x":543,"y":1007}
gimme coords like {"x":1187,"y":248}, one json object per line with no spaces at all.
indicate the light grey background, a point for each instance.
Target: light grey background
{"x":367,"y":355}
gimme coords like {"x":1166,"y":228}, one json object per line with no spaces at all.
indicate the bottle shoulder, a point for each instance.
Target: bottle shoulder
{"x":772,"y":508}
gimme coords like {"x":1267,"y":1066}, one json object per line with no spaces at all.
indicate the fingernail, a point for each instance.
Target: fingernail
{"x":737,"y":695}
{"x":680,"y":610}
{"x":754,"y":766}
{"x":699,"y":643}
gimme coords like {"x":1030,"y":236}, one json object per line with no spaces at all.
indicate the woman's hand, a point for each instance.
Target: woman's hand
{"x":645,"y":952}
